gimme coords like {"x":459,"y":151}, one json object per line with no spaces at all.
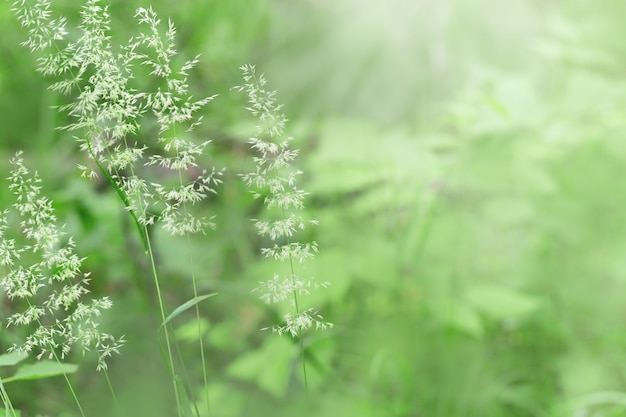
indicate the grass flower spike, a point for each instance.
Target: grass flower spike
{"x":107,"y":108}
{"x":49,"y":291}
{"x":136,"y":133}
{"x":274,"y":180}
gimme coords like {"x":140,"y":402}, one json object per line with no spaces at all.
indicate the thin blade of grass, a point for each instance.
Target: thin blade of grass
{"x":185,"y":306}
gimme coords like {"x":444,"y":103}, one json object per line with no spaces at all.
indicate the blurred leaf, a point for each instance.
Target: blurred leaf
{"x":458,"y":315}
{"x":501,"y":303}
{"x":231,"y":400}
{"x":42,"y":369}
{"x":3,"y":413}
{"x":269,"y":367}
{"x":321,"y":349}
{"x":192,"y":330}
{"x":601,"y":402}
{"x":12,"y":358}
{"x":330,"y":265}
{"x":222,"y":335}
{"x":376,"y":262}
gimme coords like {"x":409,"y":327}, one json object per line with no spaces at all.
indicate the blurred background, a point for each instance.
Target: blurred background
{"x":465,"y":162}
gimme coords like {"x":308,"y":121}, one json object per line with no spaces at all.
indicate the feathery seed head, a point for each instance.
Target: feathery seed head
{"x":50,"y":288}
{"x":274,"y":180}
{"x":107,"y":110}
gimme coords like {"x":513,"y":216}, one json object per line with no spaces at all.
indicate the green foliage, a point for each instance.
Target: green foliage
{"x":464,"y":165}
{"x":279,"y":352}
{"x":42,"y":369}
{"x":9,"y":359}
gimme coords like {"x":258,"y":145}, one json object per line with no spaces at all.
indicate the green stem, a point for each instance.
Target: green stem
{"x":189,"y":386}
{"x":8,"y":406}
{"x":121,"y":194}
{"x":295,"y":301}
{"x":71,"y":388}
{"x":302,"y":358}
{"x":163,"y":317}
{"x":197,"y":309}
{"x":295,"y":294}
{"x":67,"y":380}
{"x":117,"y":404}
{"x":200,"y":336}
{"x":145,"y":236}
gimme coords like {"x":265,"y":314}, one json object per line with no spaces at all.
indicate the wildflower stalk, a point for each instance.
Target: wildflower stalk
{"x":74,"y":396}
{"x":107,"y":110}
{"x":52,"y":287}
{"x":274,"y":180}
{"x":170,"y":357}
{"x":297,"y":307}
{"x":111,"y":390}
{"x":102,"y":123}
{"x":177,"y":218}
{"x":205,"y":379}
{"x":120,"y":193}
{"x":65,"y":377}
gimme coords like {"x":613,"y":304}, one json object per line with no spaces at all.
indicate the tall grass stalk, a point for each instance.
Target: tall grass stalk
{"x":44,"y":278}
{"x":107,"y":111}
{"x":274,"y":181}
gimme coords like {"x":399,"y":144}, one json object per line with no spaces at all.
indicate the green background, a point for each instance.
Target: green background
{"x":465,"y":161}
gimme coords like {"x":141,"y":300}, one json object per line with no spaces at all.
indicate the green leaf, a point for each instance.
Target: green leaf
{"x":600,"y":398}
{"x":269,"y":367}
{"x":502,"y":303}
{"x":186,"y":306}
{"x":192,"y":330}
{"x":42,"y":369}
{"x":9,"y":359}
{"x":459,"y":316}
{"x":16,"y":413}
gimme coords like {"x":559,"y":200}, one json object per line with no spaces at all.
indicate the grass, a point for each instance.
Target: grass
{"x":106,"y":113}
{"x":475,"y":250}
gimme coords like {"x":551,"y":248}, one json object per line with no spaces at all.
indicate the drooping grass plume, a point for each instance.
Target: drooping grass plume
{"x":43,"y":279}
{"x":274,"y":180}
{"x":108,"y":111}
